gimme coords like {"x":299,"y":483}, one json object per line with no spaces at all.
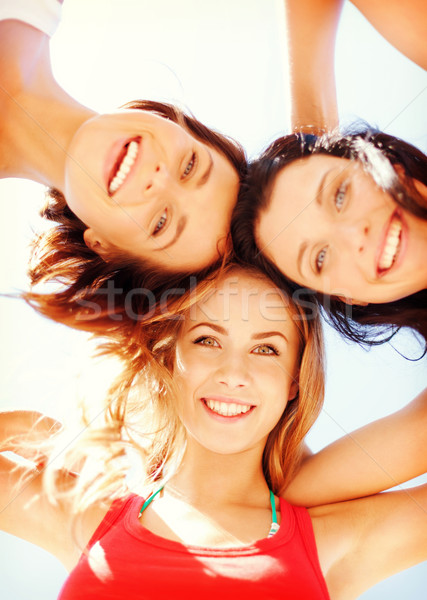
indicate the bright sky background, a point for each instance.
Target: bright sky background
{"x":223,"y":60}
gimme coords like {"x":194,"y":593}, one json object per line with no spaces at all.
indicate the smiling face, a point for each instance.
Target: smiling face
{"x":330,"y":228}
{"x":236,"y":365}
{"x":143,"y":184}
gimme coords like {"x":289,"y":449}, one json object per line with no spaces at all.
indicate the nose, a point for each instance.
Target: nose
{"x":233,"y":372}
{"x":158,"y":181}
{"x":354,"y":234}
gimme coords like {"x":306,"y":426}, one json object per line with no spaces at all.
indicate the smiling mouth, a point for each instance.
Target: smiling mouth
{"x":391,"y":247}
{"x":227,"y":409}
{"x":123,"y":165}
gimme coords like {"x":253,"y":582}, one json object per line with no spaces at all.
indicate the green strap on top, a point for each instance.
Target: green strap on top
{"x":150,"y":499}
{"x":273,"y":508}
{"x":154,"y":494}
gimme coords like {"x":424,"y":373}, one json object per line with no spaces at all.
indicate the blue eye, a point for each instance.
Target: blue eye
{"x":340,"y":195}
{"x":266,"y":349}
{"x":161,"y":223}
{"x":190,"y":166}
{"x":320,"y":259}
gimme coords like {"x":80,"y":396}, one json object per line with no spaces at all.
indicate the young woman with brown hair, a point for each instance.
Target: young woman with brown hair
{"x":131,"y":192}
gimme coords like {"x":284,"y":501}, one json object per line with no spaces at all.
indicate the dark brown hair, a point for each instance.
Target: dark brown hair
{"x":108,"y":298}
{"x":378,"y":153}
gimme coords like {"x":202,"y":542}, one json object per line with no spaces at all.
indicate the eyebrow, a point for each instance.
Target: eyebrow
{"x":266,"y":334}
{"x":319,"y":198}
{"x":204,"y":178}
{"x":217,"y":328}
{"x":320,"y":195}
{"x":223,"y":331}
{"x":179,"y":229}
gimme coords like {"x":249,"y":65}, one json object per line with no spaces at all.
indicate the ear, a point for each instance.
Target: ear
{"x":351,"y":301}
{"x":294,"y":389}
{"x":96,"y":243}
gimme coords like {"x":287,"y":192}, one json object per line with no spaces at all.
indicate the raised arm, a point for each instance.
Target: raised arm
{"x":24,"y":508}
{"x":311,"y":27}
{"x":376,"y":457}
{"x":364,"y":541}
{"x":24,"y":511}
{"x":403,"y":24}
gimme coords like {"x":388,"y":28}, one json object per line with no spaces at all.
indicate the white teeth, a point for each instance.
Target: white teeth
{"x":391,"y":245}
{"x":227,"y":409}
{"x":124,"y":167}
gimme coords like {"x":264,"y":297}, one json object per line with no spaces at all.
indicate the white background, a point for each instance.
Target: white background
{"x":224,"y":60}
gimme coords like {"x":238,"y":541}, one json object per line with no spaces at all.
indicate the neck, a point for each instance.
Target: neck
{"x":38,"y":119}
{"x":207,"y":477}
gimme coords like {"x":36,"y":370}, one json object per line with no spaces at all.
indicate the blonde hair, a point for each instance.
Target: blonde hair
{"x":282,"y":451}
{"x":140,"y":413}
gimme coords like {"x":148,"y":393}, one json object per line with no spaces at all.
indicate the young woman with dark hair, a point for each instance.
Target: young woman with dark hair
{"x":341,"y":214}
{"x":132,"y":192}
{"x":346,"y":216}
{"x":211,"y":413}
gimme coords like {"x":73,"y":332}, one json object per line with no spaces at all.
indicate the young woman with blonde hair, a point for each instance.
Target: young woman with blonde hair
{"x":213,"y":406}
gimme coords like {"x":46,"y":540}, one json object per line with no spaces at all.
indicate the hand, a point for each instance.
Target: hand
{"x":23,"y":431}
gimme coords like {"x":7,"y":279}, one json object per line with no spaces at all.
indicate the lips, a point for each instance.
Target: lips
{"x":391,"y":246}
{"x":227,"y":408}
{"x":123,"y":165}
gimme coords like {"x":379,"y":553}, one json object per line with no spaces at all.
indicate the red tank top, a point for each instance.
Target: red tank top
{"x":126,"y":561}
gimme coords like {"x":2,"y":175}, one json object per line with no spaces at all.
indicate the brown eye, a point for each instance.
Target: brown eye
{"x":206,"y":341}
{"x":266,"y":349}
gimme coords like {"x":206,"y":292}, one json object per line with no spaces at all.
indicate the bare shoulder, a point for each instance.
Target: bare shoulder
{"x":34,"y":506}
{"x":27,"y":511}
{"x":362,"y":542}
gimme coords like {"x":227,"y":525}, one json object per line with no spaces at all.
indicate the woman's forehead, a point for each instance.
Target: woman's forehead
{"x":242,"y":296}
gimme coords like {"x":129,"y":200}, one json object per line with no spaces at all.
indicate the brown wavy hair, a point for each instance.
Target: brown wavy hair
{"x":378,"y":152}
{"x":108,"y":298}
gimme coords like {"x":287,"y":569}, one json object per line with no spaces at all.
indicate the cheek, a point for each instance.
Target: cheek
{"x":284,"y":380}
{"x":124,"y":228}
{"x":274,"y":382}
{"x":276,"y":400}
{"x":76,"y":186}
{"x":188,"y":373}
{"x":184,"y":393}
{"x":89,"y":202}
{"x":121,"y":230}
